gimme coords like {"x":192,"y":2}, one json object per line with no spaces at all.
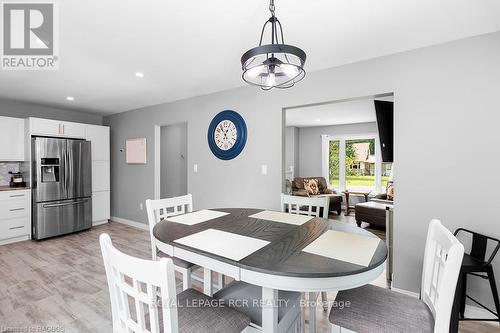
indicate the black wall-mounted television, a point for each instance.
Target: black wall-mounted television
{"x":385,"y":122}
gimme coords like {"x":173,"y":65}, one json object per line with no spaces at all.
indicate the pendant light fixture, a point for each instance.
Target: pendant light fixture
{"x":275,"y":65}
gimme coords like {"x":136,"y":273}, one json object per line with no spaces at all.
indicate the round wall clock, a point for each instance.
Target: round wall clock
{"x":227,"y":135}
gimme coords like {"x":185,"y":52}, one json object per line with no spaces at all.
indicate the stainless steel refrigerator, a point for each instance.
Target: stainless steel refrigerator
{"x":61,"y":186}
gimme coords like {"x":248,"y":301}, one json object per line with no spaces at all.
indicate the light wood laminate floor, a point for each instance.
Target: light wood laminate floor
{"x":61,"y":282}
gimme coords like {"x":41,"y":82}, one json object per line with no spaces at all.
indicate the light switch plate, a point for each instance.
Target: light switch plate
{"x":195,"y":167}
{"x":263,"y":169}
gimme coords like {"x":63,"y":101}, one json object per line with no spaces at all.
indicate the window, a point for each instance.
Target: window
{"x":386,"y":173}
{"x":354,"y":163}
{"x":334,"y":163}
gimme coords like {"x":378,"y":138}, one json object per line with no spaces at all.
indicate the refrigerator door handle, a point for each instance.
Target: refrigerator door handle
{"x":67,"y":171}
{"x":65,"y":203}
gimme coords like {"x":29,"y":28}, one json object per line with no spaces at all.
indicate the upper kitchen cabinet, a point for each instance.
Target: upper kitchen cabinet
{"x":99,"y":136}
{"x":12,"y":138}
{"x":49,"y":127}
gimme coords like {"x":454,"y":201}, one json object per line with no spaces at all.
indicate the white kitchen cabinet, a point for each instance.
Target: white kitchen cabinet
{"x":100,"y":206}
{"x":14,"y":216}
{"x":99,"y":136}
{"x":100,"y":176}
{"x":12,"y":139}
{"x":49,"y":127}
{"x":73,"y":130}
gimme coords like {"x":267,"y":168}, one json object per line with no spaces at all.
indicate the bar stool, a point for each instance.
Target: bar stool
{"x":475,"y":263}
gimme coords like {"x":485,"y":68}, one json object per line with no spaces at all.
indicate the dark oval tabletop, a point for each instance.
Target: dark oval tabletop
{"x":283,"y":255}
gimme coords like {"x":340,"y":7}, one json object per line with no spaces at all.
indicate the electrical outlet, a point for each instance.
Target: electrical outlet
{"x":141,"y":206}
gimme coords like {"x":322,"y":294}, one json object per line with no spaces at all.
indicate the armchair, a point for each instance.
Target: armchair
{"x":335,"y":198}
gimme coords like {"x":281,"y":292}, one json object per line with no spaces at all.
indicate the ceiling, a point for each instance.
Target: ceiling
{"x":351,"y":112}
{"x":193,"y":47}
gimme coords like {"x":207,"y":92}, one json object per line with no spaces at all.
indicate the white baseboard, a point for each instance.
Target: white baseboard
{"x":406,"y":292}
{"x":471,"y":311}
{"x":130,"y":223}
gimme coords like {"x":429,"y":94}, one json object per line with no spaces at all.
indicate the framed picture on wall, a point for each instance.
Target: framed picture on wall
{"x":135,"y":150}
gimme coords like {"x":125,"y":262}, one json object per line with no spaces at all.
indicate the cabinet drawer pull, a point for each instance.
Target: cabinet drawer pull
{"x":13,"y":228}
{"x":16,"y":195}
{"x":15,"y":209}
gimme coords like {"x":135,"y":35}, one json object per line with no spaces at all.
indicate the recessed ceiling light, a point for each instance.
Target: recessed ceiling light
{"x":70,"y":98}
{"x":139,"y":74}
{"x":317,"y":119}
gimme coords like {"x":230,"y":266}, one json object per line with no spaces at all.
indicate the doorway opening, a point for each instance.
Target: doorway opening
{"x":345,"y":148}
{"x":171,"y":160}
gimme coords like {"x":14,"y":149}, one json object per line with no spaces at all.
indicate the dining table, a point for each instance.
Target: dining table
{"x":276,"y":251}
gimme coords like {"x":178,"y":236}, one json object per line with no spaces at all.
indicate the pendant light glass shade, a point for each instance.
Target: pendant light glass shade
{"x":275,"y":65}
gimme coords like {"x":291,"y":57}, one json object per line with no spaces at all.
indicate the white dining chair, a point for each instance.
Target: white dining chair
{"x":376,"y":309}
{"x":310,"y":206}
{"x":162,"y":209}
{"x":143,"y":298}
{"x":159,"y":210}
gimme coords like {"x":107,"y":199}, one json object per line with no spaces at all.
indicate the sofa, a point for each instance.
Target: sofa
{"x":335,"y":198}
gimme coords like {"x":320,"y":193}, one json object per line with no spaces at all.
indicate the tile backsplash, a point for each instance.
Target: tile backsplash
{"x":5,"y":167}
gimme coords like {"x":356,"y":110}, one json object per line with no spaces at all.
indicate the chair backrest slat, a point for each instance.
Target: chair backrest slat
{"x":442,"y":261}
{"x":143,"y":284}
{"x":310,"y":206}
{"x":162,"y":209}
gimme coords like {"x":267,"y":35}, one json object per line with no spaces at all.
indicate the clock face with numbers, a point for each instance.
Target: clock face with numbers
{"x":227,"y":135}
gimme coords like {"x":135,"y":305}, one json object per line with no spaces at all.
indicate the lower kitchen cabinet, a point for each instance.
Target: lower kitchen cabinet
{"x":100,"y":207}
{"x":14,"y":216}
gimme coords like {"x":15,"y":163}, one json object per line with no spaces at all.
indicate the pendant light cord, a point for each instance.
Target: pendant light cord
{"x":271,"y":7}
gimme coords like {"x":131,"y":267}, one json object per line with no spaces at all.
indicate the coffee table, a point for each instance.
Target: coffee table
{"x":348,"y":207}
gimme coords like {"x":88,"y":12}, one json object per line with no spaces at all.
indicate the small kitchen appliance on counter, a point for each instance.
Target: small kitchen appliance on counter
{"x":16,"y":179}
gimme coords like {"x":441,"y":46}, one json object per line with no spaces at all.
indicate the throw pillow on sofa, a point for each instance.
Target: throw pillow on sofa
{"x":311,"y":186}
{"x":390,"y":191}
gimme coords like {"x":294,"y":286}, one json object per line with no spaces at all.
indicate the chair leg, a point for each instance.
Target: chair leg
{"x":324,"y":300}
{"x":463,"y":292}
{"x":186,"y":279}
{"x":494,"y":290}
{"x":207,"y":282}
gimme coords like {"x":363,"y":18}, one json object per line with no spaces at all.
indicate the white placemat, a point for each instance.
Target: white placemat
{"x":197,"y":217}
{"x":344,"y":246}
{"x":222,"y":243}
{"x":282,"y":217}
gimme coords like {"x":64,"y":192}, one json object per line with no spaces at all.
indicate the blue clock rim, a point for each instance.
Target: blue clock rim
{"x":241,"y":140}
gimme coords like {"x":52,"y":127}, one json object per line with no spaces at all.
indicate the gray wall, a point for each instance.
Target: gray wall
{"x":11,"y":108}
{"x":310,"y":143}
{"x":173,"y":176}
{"x":446,"y":108}
{"x":292,"y":154}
